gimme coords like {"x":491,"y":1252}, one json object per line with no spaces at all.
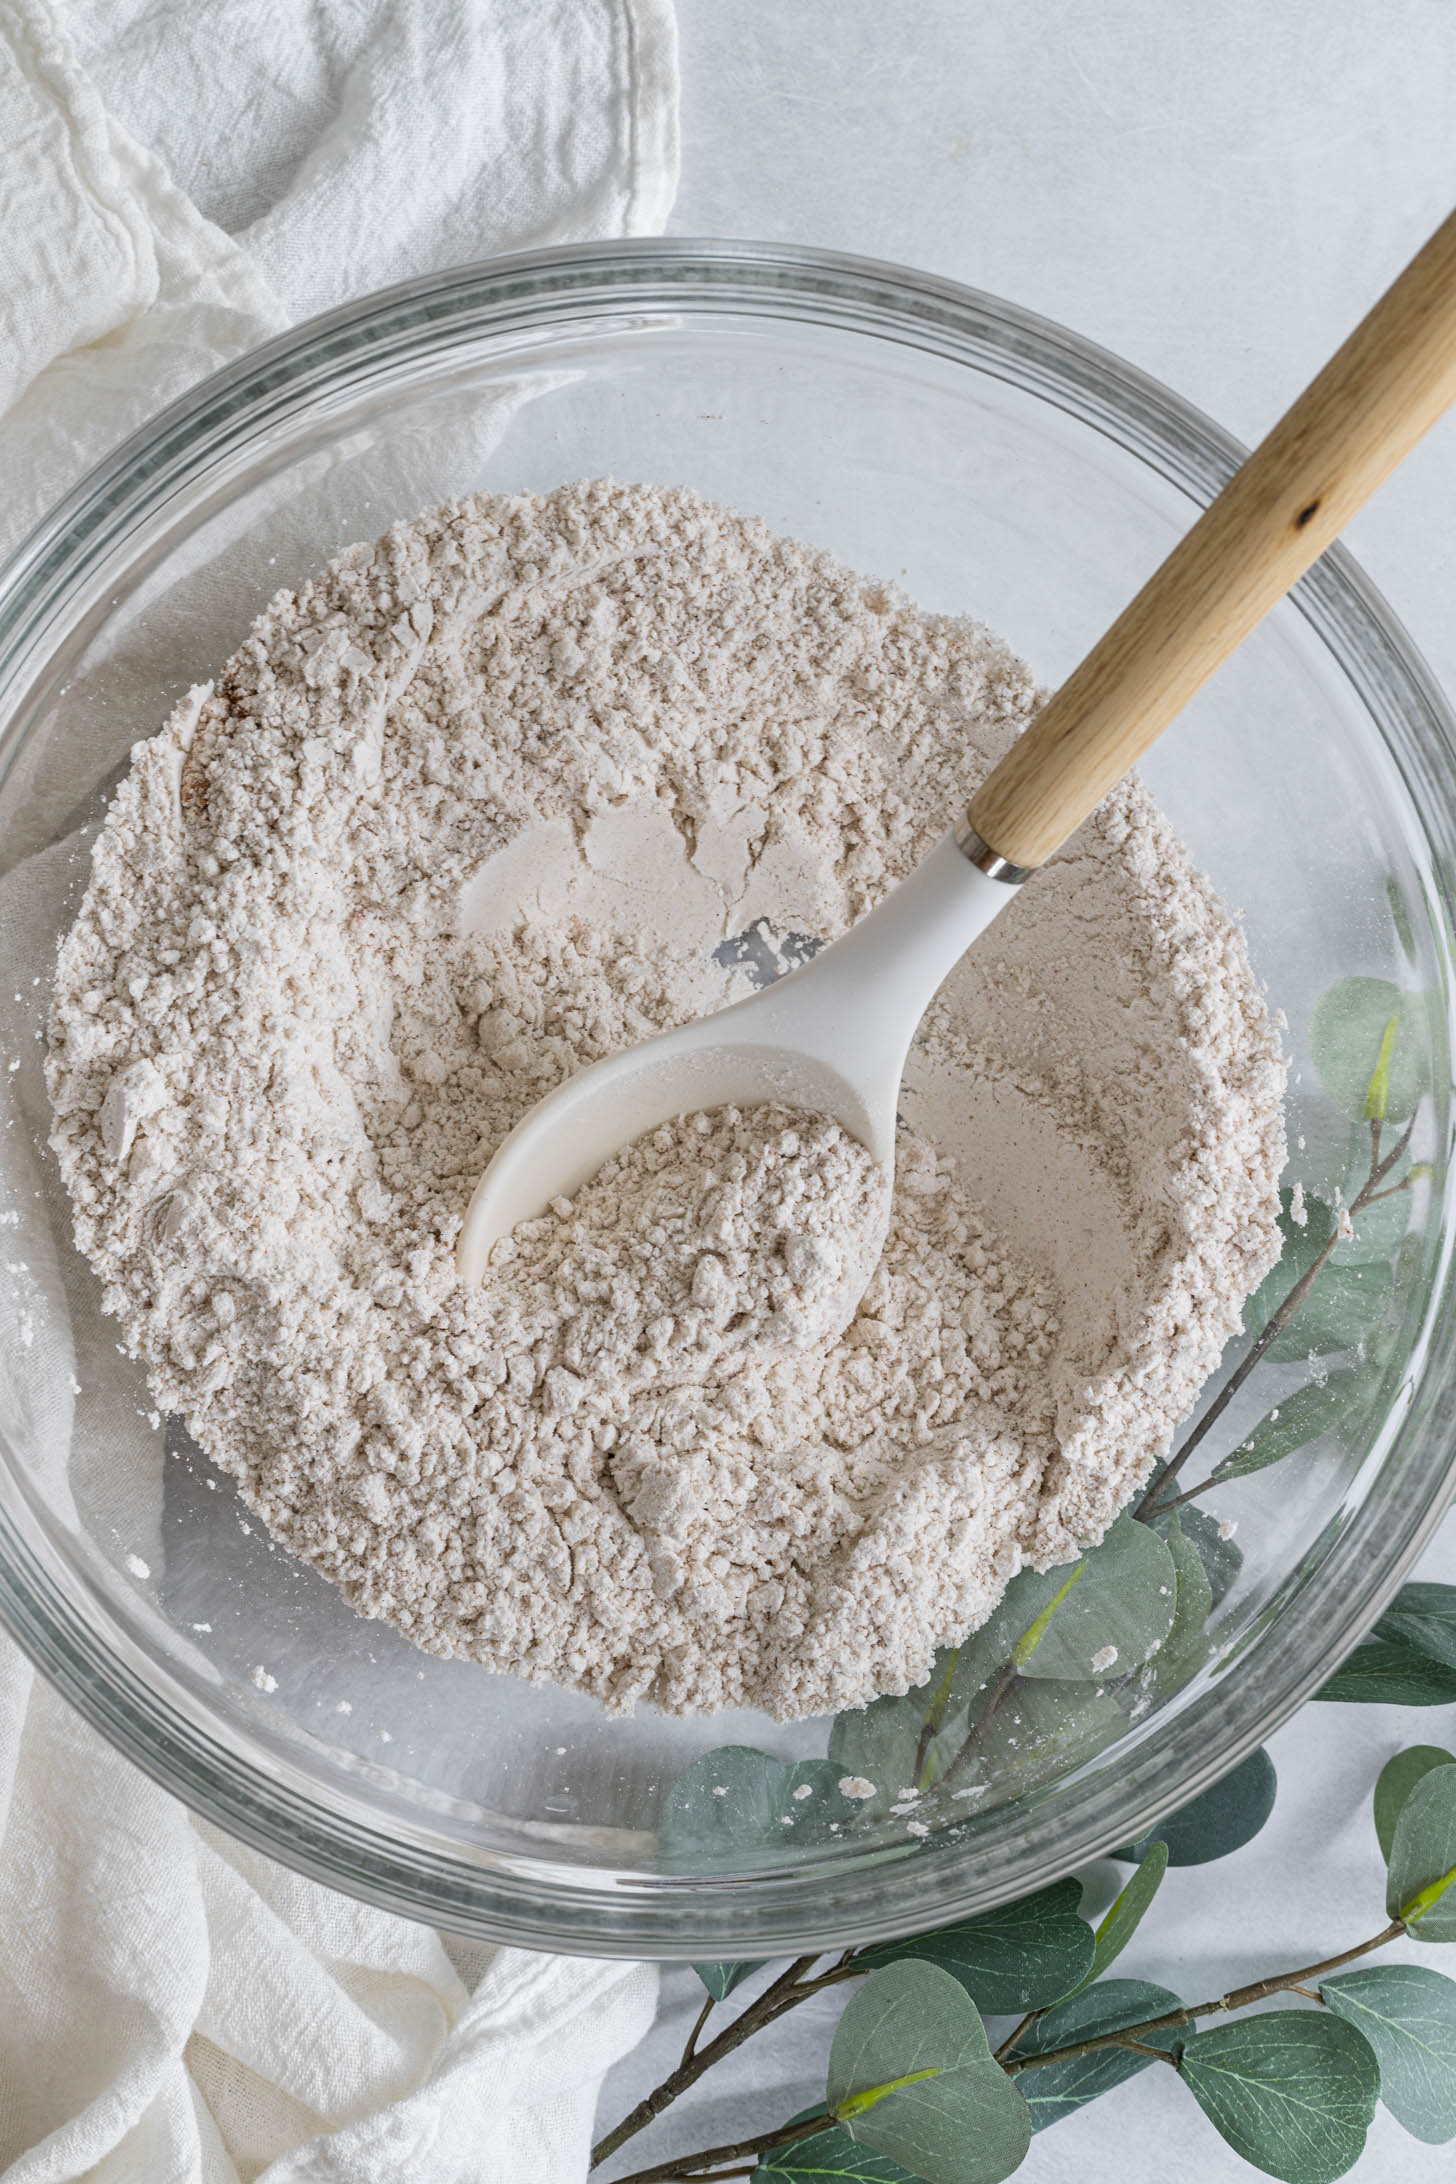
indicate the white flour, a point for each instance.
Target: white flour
{"x":522,"y":782}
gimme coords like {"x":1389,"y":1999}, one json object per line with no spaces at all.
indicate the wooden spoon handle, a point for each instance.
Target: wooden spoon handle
{"x":1388,"y":384}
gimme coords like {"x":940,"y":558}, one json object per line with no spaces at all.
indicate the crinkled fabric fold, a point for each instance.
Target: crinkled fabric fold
{"x":180,"y":184}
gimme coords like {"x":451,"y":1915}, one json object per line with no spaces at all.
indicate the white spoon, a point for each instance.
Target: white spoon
{"x":833,"y":1036}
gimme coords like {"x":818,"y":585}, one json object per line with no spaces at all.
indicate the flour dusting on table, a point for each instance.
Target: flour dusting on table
{"x":523,"y":782}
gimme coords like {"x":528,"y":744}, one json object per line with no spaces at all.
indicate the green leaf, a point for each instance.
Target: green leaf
{"x":881,"y":1742}
{"x":1377,"y":1092}
{"x":1125,"y":1915}
{"x":731,"y":1805}
{"x":1015,"y":1958}
{"x":1294,"y":2092}
{"x":720,"y":1979}
{"x":1423,"y":1616}
{"x":1295,"y":1420}
{"x":1034,"y":1633}
{"x":1222,"y":1558}
{"x":1118,"y":1599}
{"x":1040,"y":1729}
{"x":1111,"y":2006}
{"x":855,"y":2105}
{"x":946,"y":2111}
{"x":1398,"y":1777}
{"x":1378,"y":1674}
{"x":1187,"y":1645}
{"x":1423,"y":1859}
{"x":1221,"y":1820}
{"x":831,"y":2156}
{"x":1371,"y":1046}
{"x":1408,"y":2015}
{"x":1346,"y":1304}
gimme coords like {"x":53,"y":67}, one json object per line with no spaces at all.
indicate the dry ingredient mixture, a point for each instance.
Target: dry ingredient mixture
{"x":526,"y":780}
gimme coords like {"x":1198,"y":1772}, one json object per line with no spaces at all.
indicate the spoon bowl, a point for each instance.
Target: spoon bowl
{"x":831,"y":1037}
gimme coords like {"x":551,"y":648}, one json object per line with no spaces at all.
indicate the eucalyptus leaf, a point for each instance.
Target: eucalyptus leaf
{"x":1219,"y":1821}
{"x":1222,"y":1558}
{"x":1423,"y":1616}
{"x":882,"y":1743}
{"x":1419,"y":1882}
{"x":1371,"y":1044}
{"x":1294,"y":1421}
{"x":1381,"y":1674}
{"x":831,"y":2156}
{"x":1125,"y":1914}
{"x":1015,"y":1958}
{"x":1059,"y":2089}
{"x":1293,"y":2091}
{"x":1117,"y":1599}
{"x":1040,"y":1729}
{"x":1187,"y":1645}
{"x":1408,"y":2014}
{"x":721,"y":1978}
{"x":947,"y":2111}
{"x":1398,"y":1777}
{"x":735,"y":1804}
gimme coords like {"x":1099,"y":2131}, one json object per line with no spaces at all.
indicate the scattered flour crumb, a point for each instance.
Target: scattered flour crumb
{"x":137,"y":1567}
{"x":855,"y":1785}
{"x":262,"y":1679}
{"x":1105,"y":1657}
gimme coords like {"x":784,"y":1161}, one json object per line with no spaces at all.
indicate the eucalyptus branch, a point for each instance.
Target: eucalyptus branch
{"x":712,"y":2155}
{"x":1016,"y":2035}
{"x":699,"y":2021}
{"x":1239,"y":1998}
{"x":1153,"y":1503}
{"x":967,"y":1751}
{"x":1156,"y":1501}
{"x":1131,"y":2037}
{"x":785,"y":1993}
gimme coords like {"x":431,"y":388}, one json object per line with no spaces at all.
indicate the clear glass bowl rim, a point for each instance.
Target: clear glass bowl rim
{"x":251,"y":1786}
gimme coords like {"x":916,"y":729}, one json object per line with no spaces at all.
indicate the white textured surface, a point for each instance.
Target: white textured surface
{"x":173,"y":2009}
{"x":1217,"y":194}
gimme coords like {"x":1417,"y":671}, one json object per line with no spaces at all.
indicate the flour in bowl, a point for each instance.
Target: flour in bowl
{"x":525,"y":781}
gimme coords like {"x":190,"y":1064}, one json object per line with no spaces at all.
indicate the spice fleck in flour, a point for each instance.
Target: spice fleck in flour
{"x":523,"y":782}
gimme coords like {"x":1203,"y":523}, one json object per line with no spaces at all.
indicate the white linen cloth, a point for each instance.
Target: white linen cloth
{"x":175,"y":2009}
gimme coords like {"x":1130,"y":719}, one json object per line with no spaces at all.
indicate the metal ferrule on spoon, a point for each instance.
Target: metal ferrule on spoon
{"x":834,"y":1034}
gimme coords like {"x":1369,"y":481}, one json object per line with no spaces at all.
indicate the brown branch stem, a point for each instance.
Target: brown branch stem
{"x":1018,"y":2033}
{"x":690,"y":2045}
{"x":712,"y":2155}
{"x":1239,"y":1998}
{"x":1155,"y":1502}
{"x":785,"y":1993}
{"x":967,"y":1751}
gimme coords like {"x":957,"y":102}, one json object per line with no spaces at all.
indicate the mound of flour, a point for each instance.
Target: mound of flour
{"x":524,"y":781}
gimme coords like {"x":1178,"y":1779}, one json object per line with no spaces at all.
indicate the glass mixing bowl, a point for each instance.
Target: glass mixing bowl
{"x":988,"y":462}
